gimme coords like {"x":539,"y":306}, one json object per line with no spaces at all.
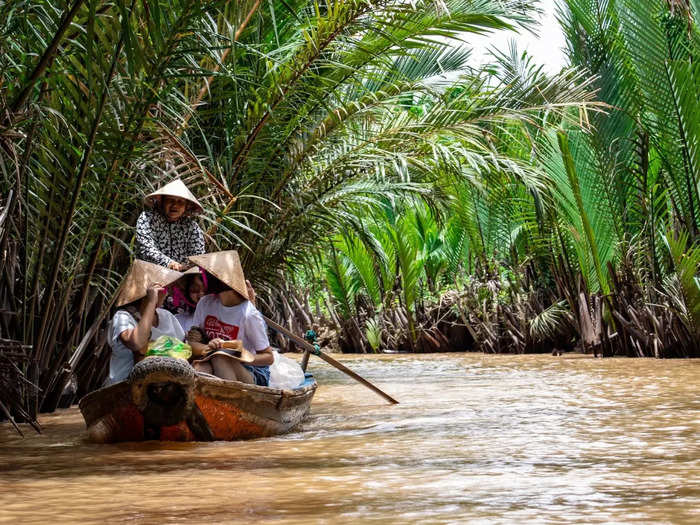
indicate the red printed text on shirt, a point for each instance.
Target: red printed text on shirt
{"x":218,"y":329}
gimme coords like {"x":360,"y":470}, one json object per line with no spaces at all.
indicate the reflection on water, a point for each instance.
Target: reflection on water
{"x":476,"y":438}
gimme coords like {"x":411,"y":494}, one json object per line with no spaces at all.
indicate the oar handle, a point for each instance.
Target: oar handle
{"x":313,"y":349}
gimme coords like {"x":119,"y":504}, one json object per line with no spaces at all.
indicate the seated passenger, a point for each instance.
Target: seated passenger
{"x":140,"y":318}
{"x":186,"y":293}
{"x":228,"y":315}
{"x":167,"y":234}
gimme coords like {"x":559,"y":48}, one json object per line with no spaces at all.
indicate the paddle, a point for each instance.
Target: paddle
{"x":315,"y":350}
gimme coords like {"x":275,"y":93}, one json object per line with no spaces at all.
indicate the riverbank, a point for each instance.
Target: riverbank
{"x":476,"y":438}
{"x":488,"y":317}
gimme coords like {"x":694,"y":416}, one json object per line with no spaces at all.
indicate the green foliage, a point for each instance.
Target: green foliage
{"x":349,"y":123}
{"x":373,"y":332}
{"x":341,"y":284}
{"x":686,"y":260}
{"x":526,"y":184}
{"x":548,"y":322}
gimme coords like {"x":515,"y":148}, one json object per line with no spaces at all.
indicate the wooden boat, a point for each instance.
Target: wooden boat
{"x":164,"y":398}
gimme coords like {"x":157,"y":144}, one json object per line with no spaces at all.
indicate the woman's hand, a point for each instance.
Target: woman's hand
{"x":136,"y":338}
{"x":177,"y":266}
{"x":216,"y":343}
{"x":153,"y":291}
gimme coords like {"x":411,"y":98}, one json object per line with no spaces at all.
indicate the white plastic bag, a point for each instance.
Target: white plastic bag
{"x":285,"y":372}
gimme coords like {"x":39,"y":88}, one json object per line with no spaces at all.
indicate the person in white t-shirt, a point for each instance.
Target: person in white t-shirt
{"x":140,"y":318}
{"x":226,"y":316}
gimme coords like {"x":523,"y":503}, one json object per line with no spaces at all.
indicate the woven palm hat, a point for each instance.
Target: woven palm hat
{"x":141,"y":275}
{"x":191,"y":271}
{"x":225,"y":266}
{"x":175,"y":188}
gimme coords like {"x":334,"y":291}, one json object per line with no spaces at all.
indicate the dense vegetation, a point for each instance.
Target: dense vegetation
{"x":588,"y":237}
{"x":359,"y":163}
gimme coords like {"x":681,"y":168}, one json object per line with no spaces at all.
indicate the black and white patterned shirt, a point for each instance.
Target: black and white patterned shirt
{"x":162,"y":242}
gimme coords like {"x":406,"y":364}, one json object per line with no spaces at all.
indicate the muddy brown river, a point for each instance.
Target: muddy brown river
{"x":476,"y":439}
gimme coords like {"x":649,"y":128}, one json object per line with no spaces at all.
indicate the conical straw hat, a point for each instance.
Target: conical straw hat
{"x":225,"y":266}
{"x":141,"y":275}
{"x":175,"y":188}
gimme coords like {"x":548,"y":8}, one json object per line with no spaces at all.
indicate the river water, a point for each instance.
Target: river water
{"x":476,"y":439}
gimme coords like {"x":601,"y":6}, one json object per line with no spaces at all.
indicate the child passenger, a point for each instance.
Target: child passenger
{"x":140,"y":318}
{"x":186,"y":293}
{"x":228,"y":315}
{"x":168,"y":233}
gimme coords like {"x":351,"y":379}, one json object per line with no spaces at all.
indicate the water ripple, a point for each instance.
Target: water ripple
{"x":476,"y":439}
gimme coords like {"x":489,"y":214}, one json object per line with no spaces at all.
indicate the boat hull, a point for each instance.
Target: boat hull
{"x":221,"y":410}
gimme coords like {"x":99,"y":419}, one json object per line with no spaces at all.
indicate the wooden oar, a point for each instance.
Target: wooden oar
{"x":314,"y":350}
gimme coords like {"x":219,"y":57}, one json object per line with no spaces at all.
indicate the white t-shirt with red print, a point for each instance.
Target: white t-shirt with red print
{"x":242,"y":321}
